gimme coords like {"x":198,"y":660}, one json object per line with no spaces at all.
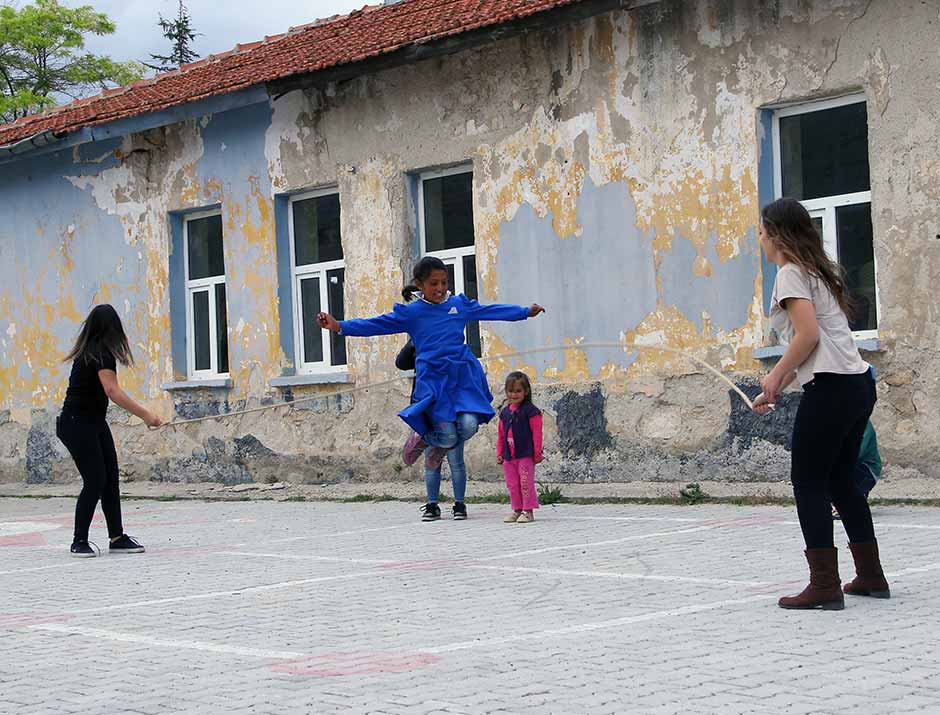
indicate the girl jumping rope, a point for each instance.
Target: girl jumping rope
{"x":809,"y":307}
{"x":519,"y":447}
{"x":82,"y":428}
{"x":451,"y":395}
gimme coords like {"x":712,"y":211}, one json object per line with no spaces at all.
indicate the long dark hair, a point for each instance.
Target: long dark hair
{"x":793,"y":233}
{"x":102,"y":333}
{"x":408,"y":292}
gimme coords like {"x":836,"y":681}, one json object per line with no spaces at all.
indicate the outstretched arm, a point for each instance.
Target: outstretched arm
{"x":116,"y":394}
{"x":500,"y":311}
{"x":387,"y":324}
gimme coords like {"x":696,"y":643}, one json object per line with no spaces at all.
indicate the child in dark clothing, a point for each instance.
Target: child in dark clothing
{"x":83,"y":429}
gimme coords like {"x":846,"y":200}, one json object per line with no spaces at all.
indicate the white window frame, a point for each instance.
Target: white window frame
{"x":312,"y":270}
{"x":451,"y":256}
{"x":196,"y":286}
{"x":825,"y":207}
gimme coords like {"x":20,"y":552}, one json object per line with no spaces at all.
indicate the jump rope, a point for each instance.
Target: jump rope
{"x":626,"y":346}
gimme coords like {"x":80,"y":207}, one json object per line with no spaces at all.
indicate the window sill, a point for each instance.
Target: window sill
{"x":321,"y":378}
{"x":221,"y":382}
{"x":772,"y":352}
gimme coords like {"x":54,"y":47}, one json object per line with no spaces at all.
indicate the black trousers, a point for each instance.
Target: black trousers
{"x":827,"y":435}
{"x":89,"y":442}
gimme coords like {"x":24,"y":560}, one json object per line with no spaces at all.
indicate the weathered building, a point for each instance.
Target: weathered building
{"x":605,"y":158}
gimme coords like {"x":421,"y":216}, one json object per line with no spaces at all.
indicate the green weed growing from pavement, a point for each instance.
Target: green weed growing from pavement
{"x":693,"y":494}
{"x":550,"y":493}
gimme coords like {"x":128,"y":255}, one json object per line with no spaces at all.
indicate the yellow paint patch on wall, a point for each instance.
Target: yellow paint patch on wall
{"x":498,"y":368}
{"x":702,"y":268}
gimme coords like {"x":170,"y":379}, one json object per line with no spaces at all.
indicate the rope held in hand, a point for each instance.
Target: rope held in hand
{"x":505,"y":356}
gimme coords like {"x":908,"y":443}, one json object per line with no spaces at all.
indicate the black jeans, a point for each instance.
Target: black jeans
{"x":90,"y":443}
{"x":827,"y":435}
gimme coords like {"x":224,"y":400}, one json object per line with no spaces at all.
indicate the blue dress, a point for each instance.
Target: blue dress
{"x":449,"y":378}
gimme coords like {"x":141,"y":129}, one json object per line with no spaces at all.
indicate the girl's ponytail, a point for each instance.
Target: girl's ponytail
{"x":408,"y":292}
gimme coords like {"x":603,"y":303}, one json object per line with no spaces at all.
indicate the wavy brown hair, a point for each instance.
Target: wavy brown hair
{"x":790,"y":228}
{"x":101,"y":334}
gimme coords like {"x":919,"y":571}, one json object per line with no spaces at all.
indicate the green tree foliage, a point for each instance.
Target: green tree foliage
{"x":42,"y":57}
{"x":179,"y":31}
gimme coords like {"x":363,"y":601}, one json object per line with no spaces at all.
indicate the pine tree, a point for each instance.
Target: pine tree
{"x":179,"y":31}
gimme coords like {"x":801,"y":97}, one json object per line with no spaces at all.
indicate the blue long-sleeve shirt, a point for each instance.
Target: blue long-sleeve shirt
{"x":449,"y":377}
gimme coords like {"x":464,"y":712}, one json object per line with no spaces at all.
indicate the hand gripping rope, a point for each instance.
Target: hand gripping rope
{"x":489,"y":358}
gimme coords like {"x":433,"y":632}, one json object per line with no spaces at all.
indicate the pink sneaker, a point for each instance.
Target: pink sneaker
{"x":434,"y":457}
{"x":413,"y":449}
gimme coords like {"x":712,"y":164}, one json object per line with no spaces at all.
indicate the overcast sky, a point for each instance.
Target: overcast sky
{"x":222,"y":24}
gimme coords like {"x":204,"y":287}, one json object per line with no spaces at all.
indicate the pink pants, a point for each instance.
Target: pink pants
{"x":520,"y":480}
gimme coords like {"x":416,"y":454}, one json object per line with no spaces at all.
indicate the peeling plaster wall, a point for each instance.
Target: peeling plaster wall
{"x":615,"y":181}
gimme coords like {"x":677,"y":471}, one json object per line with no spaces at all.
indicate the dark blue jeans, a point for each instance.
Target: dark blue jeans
{"x":454,"y":435}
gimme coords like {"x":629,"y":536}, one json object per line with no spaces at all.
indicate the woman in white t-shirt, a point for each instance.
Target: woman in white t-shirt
{"x":808,"y":310}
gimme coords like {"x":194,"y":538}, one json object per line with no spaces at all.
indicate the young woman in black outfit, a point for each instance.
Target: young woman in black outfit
{"x":809,"y":311}
{"x":82,"y":428}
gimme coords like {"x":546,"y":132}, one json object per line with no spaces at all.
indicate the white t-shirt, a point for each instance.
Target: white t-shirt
{"x":835,"y":351}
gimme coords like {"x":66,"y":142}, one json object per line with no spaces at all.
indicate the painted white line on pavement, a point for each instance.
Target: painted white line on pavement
{"x":556,"y":517}
{"x":884,"y":525}
{"x":913,"y":570}
{"x":597,"y":625}
{"x":231,"y":592}
{"x":147,"y":640}
{"x":607,"y":542}
{"x":618,"y":575}
{"x":311,"y":557}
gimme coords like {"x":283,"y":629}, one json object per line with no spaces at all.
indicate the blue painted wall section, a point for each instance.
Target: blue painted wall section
{"x":285,"y":295}
{"x":765,"y":192}
{"x":596,"y":285}
{"x":725,"y":295}
{"x":59,"y":255}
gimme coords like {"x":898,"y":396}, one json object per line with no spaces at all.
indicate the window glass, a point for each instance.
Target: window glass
{"x":470,"y":290}
{"x":825,"y":153}
{"x":448,"y":212}
{"x":201,"y":329}
{"x":316,"y":230}
{"x":204,"y":238}
{"x":856,"y":255}
{"x":334,"y":291}
{"x":310,"y":306}
{"x":221,"y":327}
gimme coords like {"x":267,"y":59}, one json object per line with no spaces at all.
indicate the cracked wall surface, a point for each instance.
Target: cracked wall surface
{"x":616,"y":181}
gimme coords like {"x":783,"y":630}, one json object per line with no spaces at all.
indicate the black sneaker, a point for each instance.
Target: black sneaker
{"x":432,"y":512}
{"x":84,"y":550}
{"x":126,"y":545}
{"x":460,"y":511}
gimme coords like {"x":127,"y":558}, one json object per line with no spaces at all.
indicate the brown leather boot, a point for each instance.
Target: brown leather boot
{"x":869,"y":578}
{"x":825,"y":589}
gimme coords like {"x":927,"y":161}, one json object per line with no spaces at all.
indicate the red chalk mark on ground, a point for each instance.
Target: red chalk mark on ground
{"x":337,"y":665}
{"x":16,"y":621}
{"x":32,"y":538}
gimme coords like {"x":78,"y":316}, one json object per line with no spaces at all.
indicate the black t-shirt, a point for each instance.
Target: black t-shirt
{"x":86,"y":395}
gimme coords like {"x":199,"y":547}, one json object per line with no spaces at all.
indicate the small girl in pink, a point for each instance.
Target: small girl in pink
{"x":519,"y":447}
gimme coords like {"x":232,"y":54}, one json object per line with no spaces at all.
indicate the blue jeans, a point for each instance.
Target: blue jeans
{"x":452,"y":435}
